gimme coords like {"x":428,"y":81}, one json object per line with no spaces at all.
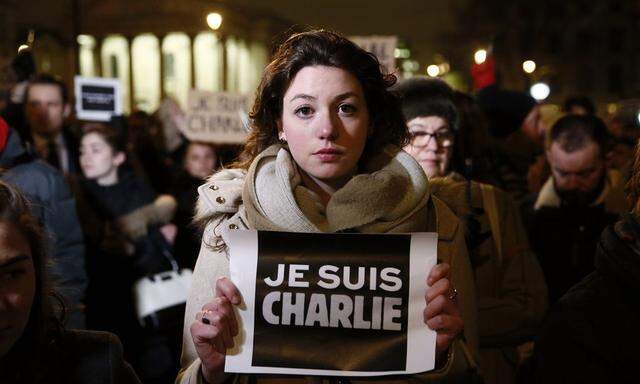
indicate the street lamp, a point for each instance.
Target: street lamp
{"x":540,"y":91}
{"x":433,"y":70}
{"x":529,"y":66}
{"x":480,"y":56}
{"x":214,"y":20}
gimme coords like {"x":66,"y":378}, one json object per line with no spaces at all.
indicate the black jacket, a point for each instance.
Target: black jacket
{"x":118,"y":202}
{"x":591,"y":335}
{"x":53,"y":203}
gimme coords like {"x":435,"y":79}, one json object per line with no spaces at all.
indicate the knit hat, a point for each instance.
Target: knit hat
{"x":4,"y":134}
{"x":423,"y":96}
{"x":505,"y":110}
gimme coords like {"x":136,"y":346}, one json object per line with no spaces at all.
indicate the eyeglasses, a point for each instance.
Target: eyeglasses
{"x":443,"y":137}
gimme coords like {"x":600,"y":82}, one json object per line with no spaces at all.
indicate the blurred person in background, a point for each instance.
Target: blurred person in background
{"x":579,"y":105}
{"x":473,"y":153}
{"x":21,"y":70}
{"x":46,"y":108}
{"x":35,"y":347}
{"x":511,"y":291}
{"x":591,"y":334}
{"x":55,"y":207}
{"x":199,"y":162}
{"x":517,"y":134}
{"x":145,"y":142}
{"x":128,"y":228}
{"x":625,"y":133}
{"x":580,"y":198}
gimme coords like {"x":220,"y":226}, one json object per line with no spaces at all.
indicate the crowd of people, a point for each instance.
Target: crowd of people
{"x":538,"y":250}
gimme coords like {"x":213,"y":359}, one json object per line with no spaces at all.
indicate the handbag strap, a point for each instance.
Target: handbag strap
{"x":174,"y":264}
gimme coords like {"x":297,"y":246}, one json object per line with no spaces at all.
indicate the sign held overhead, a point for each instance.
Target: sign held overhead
{"x":97,"y":99}
{"x":216,"y":117}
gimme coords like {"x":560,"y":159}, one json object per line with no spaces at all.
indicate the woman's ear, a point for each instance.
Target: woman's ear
{"x":281,"y":134}
{"x":119,"y":159}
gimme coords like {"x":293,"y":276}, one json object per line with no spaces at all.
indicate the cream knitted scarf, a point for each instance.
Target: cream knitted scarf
{"x":390,"y":196}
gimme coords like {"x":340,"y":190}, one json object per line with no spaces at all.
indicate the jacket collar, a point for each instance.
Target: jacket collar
{"x":612,"y":195}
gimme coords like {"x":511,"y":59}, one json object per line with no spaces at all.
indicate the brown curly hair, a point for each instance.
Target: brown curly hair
{"x":326,"y":48}
{"x":633,"y":185}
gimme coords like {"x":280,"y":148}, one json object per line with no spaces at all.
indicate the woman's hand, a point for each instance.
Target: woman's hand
{"x":214,"y":328}
{"x":442,"y":313}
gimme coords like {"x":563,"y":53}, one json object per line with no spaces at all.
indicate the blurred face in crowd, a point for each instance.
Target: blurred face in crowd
{"x":431,"y":144}
{"x":45,"y":109}
{"x":98,"y":159}
{"x":578,"y":110}
{"x":534,"y":127}
{"x":200,"y":160}
{"x":577,"y":175}
{"x":325,"y":121}
{"x":17,"y":285}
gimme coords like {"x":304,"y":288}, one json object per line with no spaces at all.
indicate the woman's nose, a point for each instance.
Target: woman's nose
{"x":328,"y":126}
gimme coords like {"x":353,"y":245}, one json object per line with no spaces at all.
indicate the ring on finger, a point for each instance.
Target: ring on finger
{"x":204,"y":318}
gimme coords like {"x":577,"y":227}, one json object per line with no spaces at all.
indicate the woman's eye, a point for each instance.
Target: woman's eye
{"x":304,"y":111}
{"x":11,"y":275}
{"x":347,"y":109}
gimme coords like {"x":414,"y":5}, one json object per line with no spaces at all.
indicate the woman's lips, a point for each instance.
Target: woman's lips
{"x":328,"y":154}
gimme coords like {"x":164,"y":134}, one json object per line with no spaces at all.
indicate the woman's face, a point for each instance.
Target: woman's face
{"x":200,"y":160}
{"x":431,"y":144}
{"x":325,"y":121}
{"x":17,"y":285}
{"x":97,"y":159}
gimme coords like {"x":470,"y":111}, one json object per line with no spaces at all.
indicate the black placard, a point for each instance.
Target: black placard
{"x":339,"y":347}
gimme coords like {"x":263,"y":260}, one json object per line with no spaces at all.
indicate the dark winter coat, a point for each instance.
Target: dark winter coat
{"x":187,"y":246}
{"x":53,"y":203}
{"x":76,"y":357}
{"x":564,"y":237}
{"x":122,"y":205}
{"x":591,"y":335}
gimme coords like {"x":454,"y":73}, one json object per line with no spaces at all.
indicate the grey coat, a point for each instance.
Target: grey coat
{"x":53,"y":203}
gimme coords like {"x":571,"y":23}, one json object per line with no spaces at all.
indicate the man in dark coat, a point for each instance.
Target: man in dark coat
{"x":46,"y":106}
{"x":580,"y":198}
{"x":591,"y":335}
{"x":54,"y":205}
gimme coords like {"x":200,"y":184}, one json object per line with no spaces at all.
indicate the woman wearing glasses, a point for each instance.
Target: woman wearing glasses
{"x":512,"y":295}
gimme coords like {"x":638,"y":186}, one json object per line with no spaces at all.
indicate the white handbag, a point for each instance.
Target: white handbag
{"x":161,"y":291}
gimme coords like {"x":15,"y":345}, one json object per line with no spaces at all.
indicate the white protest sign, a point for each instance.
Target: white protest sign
{"x":313,"y":302}
{"x":384,"y":47}
{"x":97,"y":98}
{"x":216,"y":117}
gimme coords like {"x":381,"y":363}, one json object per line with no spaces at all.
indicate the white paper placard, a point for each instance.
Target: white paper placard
{"x":97,"y":98}
{"x":247,"y":267}
{"x":216,"y":117}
